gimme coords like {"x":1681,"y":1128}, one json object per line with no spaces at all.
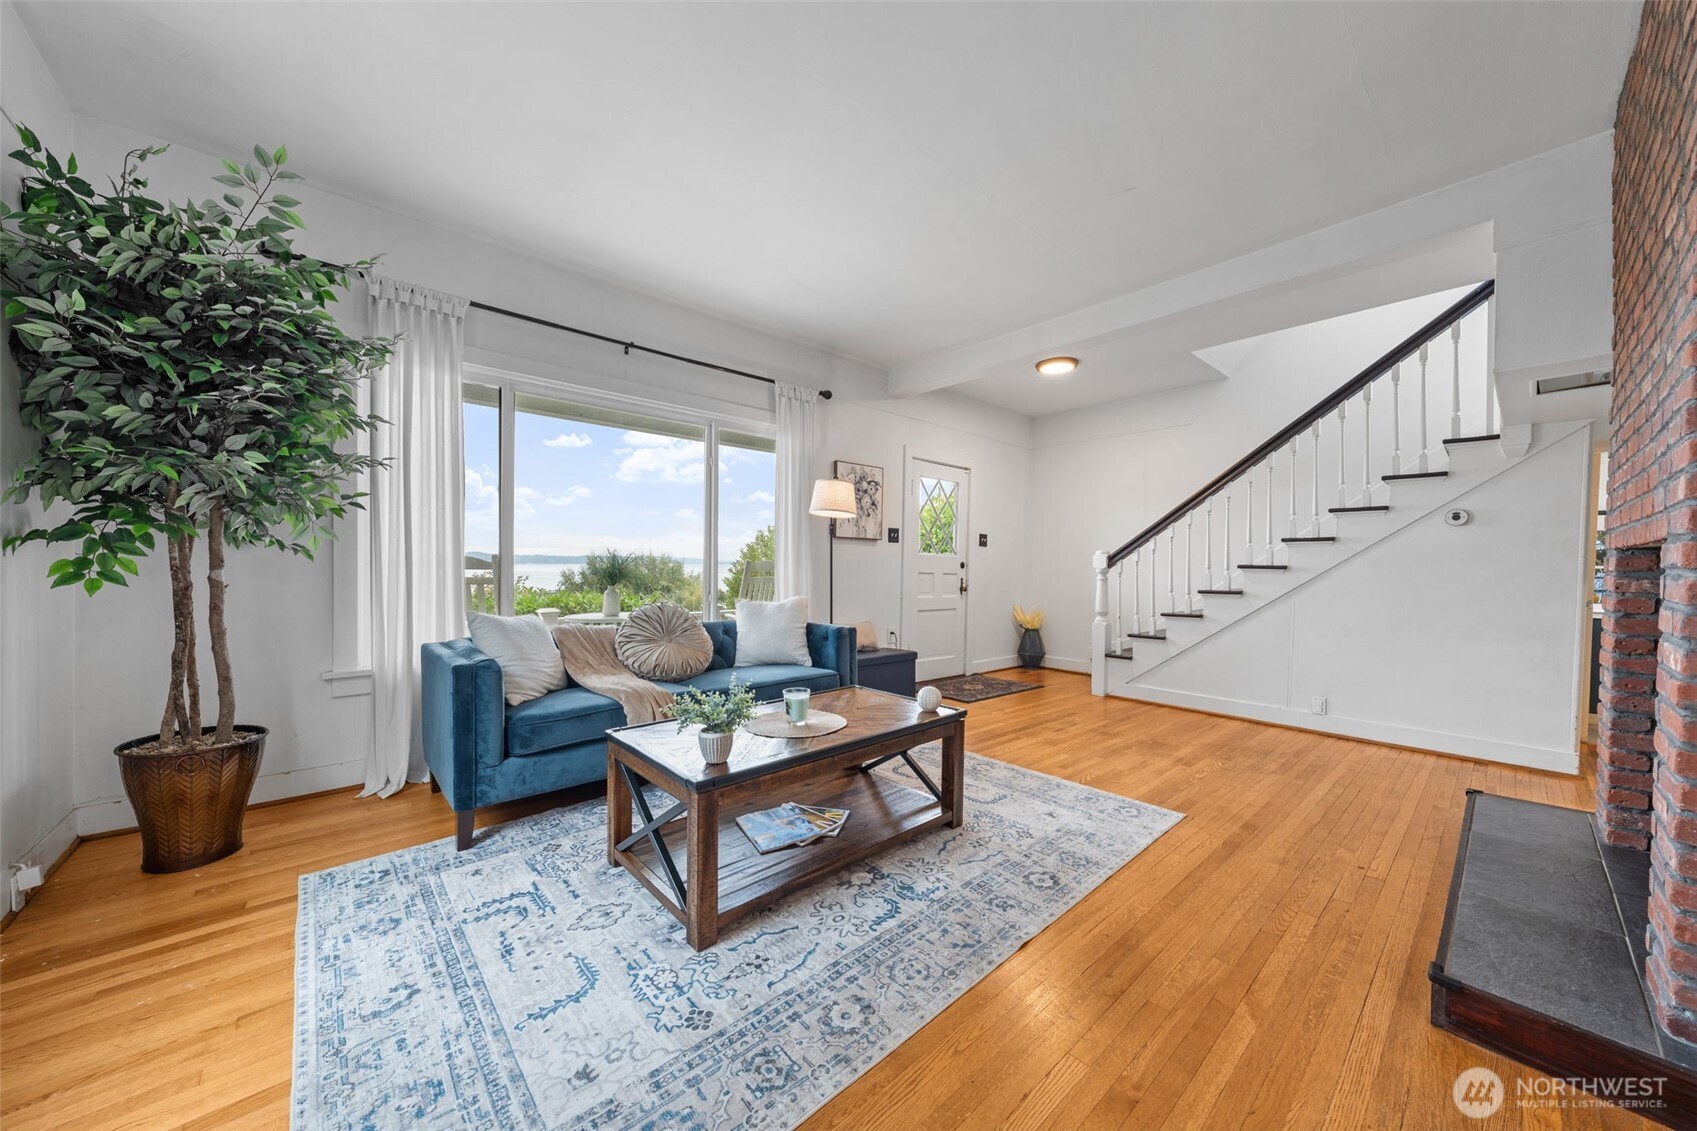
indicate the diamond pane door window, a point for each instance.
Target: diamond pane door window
{"x":934,"y":620}
{"x":938,"y":510}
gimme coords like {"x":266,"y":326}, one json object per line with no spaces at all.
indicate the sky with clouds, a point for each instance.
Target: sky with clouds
{"x":584,"y":487}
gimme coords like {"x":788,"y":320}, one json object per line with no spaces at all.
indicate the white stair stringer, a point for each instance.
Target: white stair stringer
{"x":1470,"y":466}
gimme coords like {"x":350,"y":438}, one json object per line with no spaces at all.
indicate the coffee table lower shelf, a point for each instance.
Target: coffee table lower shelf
{"x":882,"y":812}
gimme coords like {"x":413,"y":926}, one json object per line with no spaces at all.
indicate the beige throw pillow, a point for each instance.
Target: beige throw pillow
{"x":523,"y":646}
{"x":663,"y":642}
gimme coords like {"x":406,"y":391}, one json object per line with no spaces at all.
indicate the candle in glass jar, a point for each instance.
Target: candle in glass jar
{"x":795,"y":704}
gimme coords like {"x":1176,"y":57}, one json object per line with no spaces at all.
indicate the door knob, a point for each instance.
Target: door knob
{"x":963,"y":585}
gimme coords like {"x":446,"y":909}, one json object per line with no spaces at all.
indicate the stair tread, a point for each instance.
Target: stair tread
{"x":1414,"y":475}
{"x":1474,"y":439}
{"x":1326,"y":538}
{"x":1146,"y":635}
{"x":1221,"y":592}
{"x":1125,"y":655}
{"x":1190,"y":616}
{"x":1358,"y":510}
{"x":1263,"y":567}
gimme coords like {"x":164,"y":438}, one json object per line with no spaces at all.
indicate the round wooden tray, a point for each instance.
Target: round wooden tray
{"x":775,"y":725}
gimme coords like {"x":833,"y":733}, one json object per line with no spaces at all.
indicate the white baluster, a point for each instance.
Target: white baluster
{"x":1367,"y":445}
{"x":1396,"y":419}
{"x":1292,"y":531}
{"x":1249,"y":517}
{"x":1455,"y":380}
{"x":1425,"y":445}
{"x":1154,"y":607}
{"x":1314,"y":483}
{"x":1136,"y":613}
{"x":1490,"y":382}
{"x":1099,"y":625}
{"x":1269,"y":521}
{"x":1226,"y":557}
{"x":1172,"y":591}
{"x":1343,"y":487}
{"x":1119,"y":607}
{"x":1189,"y":569}
{"x":1208,"y":546}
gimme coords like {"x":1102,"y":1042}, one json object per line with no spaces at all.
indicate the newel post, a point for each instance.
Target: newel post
{"x":1099,"y":627}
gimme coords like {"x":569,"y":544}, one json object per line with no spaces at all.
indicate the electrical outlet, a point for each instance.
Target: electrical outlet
{"x":25,"y":878}
{"x":1318,"y":705}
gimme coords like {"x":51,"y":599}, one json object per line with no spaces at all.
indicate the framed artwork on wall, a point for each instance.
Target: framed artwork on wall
{"x":868,"y":481}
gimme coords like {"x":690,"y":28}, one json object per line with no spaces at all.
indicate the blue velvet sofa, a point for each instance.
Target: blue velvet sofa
{"x":481,"y":751}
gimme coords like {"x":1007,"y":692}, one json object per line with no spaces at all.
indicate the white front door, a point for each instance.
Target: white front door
{"x":935,"y":620}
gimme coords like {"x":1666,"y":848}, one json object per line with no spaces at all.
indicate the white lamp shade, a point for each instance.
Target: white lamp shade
{"x":832,"y":498}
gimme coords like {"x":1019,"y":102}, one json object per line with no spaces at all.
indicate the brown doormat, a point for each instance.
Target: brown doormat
{"x":972,"y":688}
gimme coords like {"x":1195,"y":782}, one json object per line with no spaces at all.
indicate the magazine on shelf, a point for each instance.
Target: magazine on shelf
{"x":789,"y":825}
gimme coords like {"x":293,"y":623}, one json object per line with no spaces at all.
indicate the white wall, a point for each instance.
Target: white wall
{"x":870,"y":577}
{"x":1464,"y":639}
{"x":36,"y":739}
{"x":281,"y":630}
{"x":1102,"y":475}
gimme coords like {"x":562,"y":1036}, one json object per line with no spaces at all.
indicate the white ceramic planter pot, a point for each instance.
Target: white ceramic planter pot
{"x":716,"y":746}
{"x":610,"y":601}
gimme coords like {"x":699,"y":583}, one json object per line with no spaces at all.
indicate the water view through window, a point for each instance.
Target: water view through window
{"x":604,"y":497}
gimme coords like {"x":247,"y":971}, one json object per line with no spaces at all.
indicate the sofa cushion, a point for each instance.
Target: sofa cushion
{"x":768,"y":680}
{"x":772,"y":632}
{"x":560,"y":718}
{"x":663,"y":641}
{"x":723,"y":634}
{"x":523,"y":646}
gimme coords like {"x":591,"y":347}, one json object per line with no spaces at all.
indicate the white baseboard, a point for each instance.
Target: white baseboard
{"x":1067,"y":664}
{"x":1464,"y":746}
{"x":110,"y":814}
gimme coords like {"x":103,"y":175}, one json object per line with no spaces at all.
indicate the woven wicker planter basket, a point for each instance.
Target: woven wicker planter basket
{"x":189,"y":806}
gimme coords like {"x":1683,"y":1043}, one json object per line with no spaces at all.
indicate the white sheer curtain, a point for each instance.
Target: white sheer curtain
{"x":797,"y":435}
{"x":417,"y":513}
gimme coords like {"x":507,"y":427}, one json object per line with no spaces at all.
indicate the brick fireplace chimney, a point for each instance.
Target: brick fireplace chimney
{"x":1647,"y":743}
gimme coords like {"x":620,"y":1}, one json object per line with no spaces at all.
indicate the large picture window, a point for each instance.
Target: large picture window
{"x":565,"y":499}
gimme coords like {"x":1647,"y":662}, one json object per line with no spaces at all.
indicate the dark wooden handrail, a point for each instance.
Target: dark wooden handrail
{"x":1399,"y":353}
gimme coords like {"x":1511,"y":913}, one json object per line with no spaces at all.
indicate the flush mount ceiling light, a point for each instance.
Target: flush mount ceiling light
{"x":1056,"y":366}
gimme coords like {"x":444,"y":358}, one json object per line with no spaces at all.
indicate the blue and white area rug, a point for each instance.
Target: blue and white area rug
{"x":526,"y":983}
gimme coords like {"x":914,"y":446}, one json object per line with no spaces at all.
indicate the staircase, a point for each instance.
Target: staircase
{"x":1403,"y":438}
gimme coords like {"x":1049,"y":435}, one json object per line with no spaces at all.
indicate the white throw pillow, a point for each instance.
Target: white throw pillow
{"x":524,"y":647}
{"x":772,"y":632}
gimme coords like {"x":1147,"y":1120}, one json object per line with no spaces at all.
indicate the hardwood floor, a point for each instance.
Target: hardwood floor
{"x":1261,"y":965}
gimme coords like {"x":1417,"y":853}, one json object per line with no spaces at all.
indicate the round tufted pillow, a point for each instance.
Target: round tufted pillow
{"x":663,"y":642}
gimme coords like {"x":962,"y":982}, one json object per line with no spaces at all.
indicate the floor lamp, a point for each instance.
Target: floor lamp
{"x":832,"y":499}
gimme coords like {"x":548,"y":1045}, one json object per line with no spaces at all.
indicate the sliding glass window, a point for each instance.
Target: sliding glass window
{"x":748,"y":469}
{"x":597,"y":497}
{"x":482,"y":417}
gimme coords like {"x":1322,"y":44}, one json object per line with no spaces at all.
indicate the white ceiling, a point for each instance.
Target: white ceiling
{"x":883,"y":181}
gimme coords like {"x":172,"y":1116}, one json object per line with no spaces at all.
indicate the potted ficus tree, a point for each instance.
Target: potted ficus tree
{"x":188,"y":384}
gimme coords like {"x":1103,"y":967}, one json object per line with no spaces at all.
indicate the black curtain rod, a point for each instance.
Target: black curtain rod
{"x":825,"y":394}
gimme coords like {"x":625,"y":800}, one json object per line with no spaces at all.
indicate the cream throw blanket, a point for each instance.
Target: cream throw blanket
{"x":592,"y":660}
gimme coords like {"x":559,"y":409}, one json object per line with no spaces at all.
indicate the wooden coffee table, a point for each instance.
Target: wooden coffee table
{"x":697,"y":862}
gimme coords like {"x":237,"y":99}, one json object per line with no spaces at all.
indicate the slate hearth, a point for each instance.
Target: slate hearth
{"x":1542,"y":951}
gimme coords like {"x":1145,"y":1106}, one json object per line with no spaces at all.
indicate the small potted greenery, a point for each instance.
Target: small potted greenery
{"x":718,"y":714}
{"x":611,"y":569}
